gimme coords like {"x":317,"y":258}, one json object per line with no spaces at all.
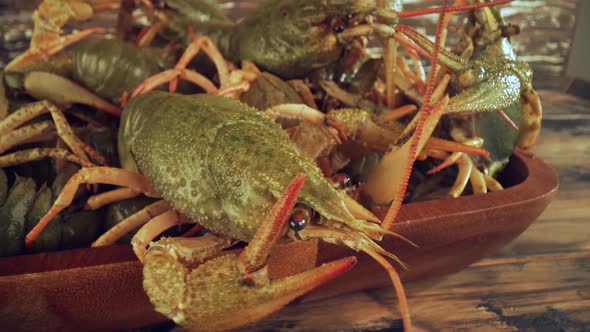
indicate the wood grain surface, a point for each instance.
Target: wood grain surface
{"x":540,"y":282}
{"x":100,"y":288}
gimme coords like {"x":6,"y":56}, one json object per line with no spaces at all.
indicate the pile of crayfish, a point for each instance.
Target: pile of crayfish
{"x":297,"y":122}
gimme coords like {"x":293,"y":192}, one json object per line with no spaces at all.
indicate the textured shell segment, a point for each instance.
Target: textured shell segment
{"x":103,"y":65}
{"x":219,"y":161}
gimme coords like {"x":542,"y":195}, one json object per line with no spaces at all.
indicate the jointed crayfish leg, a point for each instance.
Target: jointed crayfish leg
{"x":154,"y":227}
{"x":109,"y":197}
{"x":128,"y":224}
{"x":467,"y":170}
{"x":92,"y":175}
{"x":25,"y":156}
{"x":179,"y":71}
{"x":11,"y":136}
{"x":46,"y":49}
{"x":49,"y":18}
{"x":530,"y":121}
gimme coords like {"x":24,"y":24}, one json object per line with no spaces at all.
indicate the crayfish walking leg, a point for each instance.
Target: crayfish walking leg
{"x":49,"y":18}
{"x":106,"y":175}
{"x":11,"y":136}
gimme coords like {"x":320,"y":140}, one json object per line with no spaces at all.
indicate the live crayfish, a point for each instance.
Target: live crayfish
{"x":221,"y":186}
{"x":146,"y":141}
{"x":486,"y":64}
{"x":248,"y":193}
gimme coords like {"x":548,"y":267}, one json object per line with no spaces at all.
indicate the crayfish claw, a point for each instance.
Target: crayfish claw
{"x":201,"y":299}
{"x":531,"y":114}
{"x":164,"y":280}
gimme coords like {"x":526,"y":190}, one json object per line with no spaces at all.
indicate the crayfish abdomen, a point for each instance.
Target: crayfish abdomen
{"x":110,"y":66}
{"x":218,"y":161}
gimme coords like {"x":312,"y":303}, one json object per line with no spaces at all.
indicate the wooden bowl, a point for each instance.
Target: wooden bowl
{"x":101,"y":288}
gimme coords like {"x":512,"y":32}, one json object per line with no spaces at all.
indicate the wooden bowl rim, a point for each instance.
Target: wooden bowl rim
{"x":540,"y":181}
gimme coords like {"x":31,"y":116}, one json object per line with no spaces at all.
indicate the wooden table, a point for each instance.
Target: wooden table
{"x":540,"y":282}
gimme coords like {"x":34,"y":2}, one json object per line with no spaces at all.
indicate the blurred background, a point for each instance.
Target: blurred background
{"x":545,"y":42}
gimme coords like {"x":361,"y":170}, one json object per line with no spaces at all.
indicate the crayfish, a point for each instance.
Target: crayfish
{"x":211,"y":160}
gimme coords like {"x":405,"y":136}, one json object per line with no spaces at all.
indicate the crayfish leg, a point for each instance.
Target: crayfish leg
{"x":25,"y":156}
{"x":491,"y":183}
{"x":302,"y":111}
{"x":255,"y":255}
{"x":169,"y":75}
{"x":531,"y":113}
{"x":26,"y":134}
{"x":91,"y":175}
{"x":465,"y":169}
{"x":109,"y":197}
{"x":43,"y":50}
{"x":154,"y":227}
{"x":12,"y":136}
{"x":128,"y":224}
{"x":148,"y":34}
{"x":206,"y":45}
{"x":478,"y":182}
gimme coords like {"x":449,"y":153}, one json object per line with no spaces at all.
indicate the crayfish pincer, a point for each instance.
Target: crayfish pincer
{"x":219,"y":163}
{"x":200,"y":298}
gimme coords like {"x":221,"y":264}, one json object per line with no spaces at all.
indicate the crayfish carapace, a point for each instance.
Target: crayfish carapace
{"x":230,"y":168}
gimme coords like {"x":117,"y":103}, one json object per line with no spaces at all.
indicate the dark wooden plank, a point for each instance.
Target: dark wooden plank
{"x":565,"y":145}
{"x":542,"y":294}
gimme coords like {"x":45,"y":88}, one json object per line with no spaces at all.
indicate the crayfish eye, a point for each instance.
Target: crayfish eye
{"x":160,"y":4}
{"x":338,"y":25}
{"x":341,"y":181}
{"x":510,"y":30}
{"x":299,"y":218}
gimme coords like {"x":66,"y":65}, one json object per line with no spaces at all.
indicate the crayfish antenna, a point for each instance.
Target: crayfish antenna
{"x":388,"y":182}
{"x":358,"y":240}
{"x":390,"y":178}
{"x":427,"y":119}
{"x":397,"y":285}
{"x":451,"y":9}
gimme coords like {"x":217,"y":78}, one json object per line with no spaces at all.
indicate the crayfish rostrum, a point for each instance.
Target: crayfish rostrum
{"x":211,"y":160}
